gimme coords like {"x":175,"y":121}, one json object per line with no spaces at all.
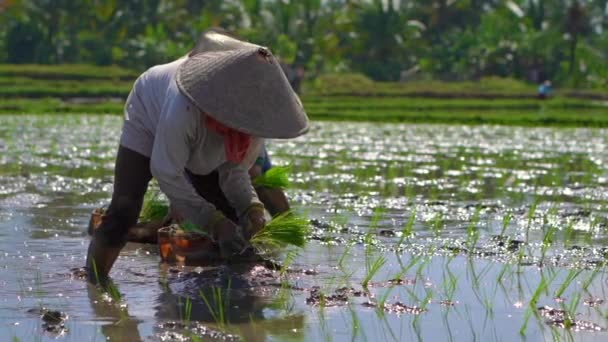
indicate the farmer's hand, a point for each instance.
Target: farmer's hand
{"x":254,"y":221}
{"x":229,"y":238}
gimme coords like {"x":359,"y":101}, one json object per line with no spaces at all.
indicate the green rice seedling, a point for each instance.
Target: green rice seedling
{"x":531,"y":216}
{"x":542,"y":288}
{"x":217,"y":304}
{"x":282,"y":300}
{"x":187,"y":309}
{"x":413,"y":261}
{"x":356,"y":324}
{"x":449,"y":283}
{"x":548,"y":237}
{"x":501,"y":274}
{"x":570,"y":310}
{"x":372,"y":268}
{"x":346,"y":252}
{"x":190,"y":227}
{"x":427,"y":299}
{"x":408,"y":229}
{"x":569,"y":232}
{"x":377,"y":216}
{"x":472,"y":231}
{"x":113,"y":292}
{"x":437,"y":224}
{"x":573,"y":274}
{"x":276,"y":177}
{"x":587,"y":282}
{"x":284,"y":229}
{"x":506,"y":220}
{"x":289,"y":258}
{"x":153,"y":208}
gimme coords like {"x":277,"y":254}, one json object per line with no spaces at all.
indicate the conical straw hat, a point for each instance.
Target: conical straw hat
{"x":242,"y":85}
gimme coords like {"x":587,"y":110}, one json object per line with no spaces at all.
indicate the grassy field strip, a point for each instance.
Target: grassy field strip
{"x":68,"y":71}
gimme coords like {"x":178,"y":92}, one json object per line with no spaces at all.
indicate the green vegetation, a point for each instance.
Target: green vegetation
{"x":276,"y":177}
{"x":330,"y":97}
{"x":153,"y":208}
{"x":283,"y":230}
{"x":563,"y":41}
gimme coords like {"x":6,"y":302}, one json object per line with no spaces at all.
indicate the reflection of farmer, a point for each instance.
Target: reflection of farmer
{"x":544,"y":90}
{"x":197,"y":124}
{"x":232,"y":295}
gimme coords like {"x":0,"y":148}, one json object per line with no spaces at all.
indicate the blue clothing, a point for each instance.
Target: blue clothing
{"x":263,"y":160}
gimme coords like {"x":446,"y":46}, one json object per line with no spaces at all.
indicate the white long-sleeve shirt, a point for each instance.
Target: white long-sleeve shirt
{"x":164,"y":125}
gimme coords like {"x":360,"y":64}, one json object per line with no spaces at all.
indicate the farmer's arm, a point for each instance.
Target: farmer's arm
{"x":176,"y":130}
{"x":235,"y":181}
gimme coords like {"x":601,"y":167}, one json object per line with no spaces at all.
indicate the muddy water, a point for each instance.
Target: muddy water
{"x":477,"y":233}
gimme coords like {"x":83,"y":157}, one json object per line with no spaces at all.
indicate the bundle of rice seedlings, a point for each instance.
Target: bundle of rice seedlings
{"x":284,"y":229}
{"x":276,"y":177}
{"x":190,"y":227}
{"x":153,"y":208}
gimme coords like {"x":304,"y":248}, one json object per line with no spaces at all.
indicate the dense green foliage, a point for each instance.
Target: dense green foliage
{"x":388,"y":40}
{"x":101,"y":90}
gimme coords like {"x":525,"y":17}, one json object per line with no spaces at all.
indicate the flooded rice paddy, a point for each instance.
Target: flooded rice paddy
{"x":421,"y":232}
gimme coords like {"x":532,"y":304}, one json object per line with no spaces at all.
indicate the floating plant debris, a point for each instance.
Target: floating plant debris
{"x":181,"y":331}
{"x":396,"y":308}
{"x":593,"y":302}
{"x":547,"y":311}
{"x":318,"y":298}
{"x":575,"y":325}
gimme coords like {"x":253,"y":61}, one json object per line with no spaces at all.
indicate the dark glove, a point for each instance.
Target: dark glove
{"x":229,"y":238}
{"x":253,"y":221}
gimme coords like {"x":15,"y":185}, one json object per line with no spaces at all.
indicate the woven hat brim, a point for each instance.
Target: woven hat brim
{"x":244,"y":89}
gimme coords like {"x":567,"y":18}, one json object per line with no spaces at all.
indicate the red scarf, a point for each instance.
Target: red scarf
{"x":236,"y":143}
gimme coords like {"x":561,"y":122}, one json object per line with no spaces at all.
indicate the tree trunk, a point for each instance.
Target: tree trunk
{"x":573,"y":44}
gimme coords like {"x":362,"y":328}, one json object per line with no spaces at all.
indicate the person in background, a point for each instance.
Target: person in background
{"x":545,"y":90}
{"x":197,"y":125}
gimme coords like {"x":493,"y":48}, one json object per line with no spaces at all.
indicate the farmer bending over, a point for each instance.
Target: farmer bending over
{"x":197,"y":125}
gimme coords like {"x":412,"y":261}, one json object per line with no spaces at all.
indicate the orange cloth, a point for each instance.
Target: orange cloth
{"x":236,"y":143}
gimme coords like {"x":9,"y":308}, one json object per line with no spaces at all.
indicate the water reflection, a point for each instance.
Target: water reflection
{"x":457,"y":185}
{"x":239,"y":298}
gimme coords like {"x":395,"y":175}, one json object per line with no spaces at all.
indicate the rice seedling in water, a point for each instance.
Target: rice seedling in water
{"x":506,"y":220}
{"x":472,"y":231}
{"x":356,"y":325}
{"x":345,"y":253}
{"x":372,"y":268}
{"x":531,"y":216}
{"x":187,"y":310}
{"x":408,"y":229}
{"x":276,"y":177}
{"x":284,"y":229}
{"x":543,"y":286}
{"x":437,"y":225}
{"x":218,"y":307}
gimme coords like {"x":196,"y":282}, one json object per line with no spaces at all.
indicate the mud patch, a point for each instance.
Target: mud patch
{"x":397,"y":308}
{"x":177,"y":331}
{"x":53,"y":321}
